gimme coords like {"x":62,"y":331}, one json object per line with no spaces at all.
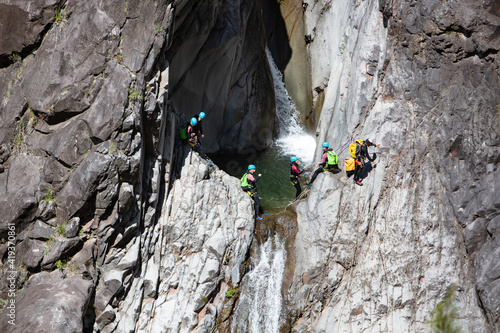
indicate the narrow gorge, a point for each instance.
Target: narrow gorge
{"x":111,"y":224}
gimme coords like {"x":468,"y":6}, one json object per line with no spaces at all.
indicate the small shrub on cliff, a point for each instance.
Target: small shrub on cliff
{"x":49,"y":194}
{"x":61,"y":16}
{"x":134,"y":95}
{"x":444,"y":315}
{"x":15,"y":58}
{"x":230,"y":293}
{"x":60,"y":264}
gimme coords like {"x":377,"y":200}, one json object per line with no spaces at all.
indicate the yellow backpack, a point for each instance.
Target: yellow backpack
{"x":355,"y":148}
{"x":349,"y":164}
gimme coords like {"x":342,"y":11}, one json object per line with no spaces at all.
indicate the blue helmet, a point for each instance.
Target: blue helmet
{"x":293,"y":159}
{"x":202,"y":115}
{"x":251,"y":166}
{"x":194,"y":121}
{"x":325,"y":144}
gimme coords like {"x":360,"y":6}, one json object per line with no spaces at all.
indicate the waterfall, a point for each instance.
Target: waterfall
{"x":292,"y":139}
{"x":259,"y":305}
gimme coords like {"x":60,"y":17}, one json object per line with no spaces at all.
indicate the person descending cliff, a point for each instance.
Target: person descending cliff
{"x":248,"y":185}
{"x":329,"y":162}
{"x":189,"y":135}
{"x":294,"y":175}
{"x":198,"y":128}
{"x":359,"y":152}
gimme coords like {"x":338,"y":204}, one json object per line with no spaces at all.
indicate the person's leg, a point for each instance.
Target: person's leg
{"x":258,"y":207}
{"x":358,"y":174}
{"x":315,"y":174}
{"x":335,"y":169}
{"x":298,"y":189}
{"x":197,"y":148}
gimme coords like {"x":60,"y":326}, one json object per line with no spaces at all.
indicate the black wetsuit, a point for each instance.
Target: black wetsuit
{"x":252,"y":190}
{"x":360,"y":162}
{"x":294,"y":178}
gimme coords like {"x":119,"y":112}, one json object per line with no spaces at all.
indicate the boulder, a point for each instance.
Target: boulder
{"x":60,"y":249}
{"x":64,"y":300}
{"x":41,"y":231}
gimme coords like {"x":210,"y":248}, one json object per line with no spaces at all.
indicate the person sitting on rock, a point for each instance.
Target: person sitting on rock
{"x":329,"y":162}
{"x":248,"y":185}
{"x":360,"y":160}
{"x":294,"y":175}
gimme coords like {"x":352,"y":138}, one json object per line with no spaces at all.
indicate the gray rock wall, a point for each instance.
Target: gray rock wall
{"x":422,"y":79}
{"x":90,"y":152}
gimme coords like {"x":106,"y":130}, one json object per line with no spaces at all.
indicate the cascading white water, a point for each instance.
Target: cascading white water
{"x":259,"y":306}
{"x":292,"y":139}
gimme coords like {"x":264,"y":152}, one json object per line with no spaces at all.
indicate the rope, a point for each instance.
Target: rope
{"x":345,"y":145}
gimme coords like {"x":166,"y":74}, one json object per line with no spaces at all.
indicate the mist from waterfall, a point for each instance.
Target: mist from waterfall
{"x":259,"y":306}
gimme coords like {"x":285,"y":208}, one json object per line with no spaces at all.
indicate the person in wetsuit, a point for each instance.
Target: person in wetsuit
{"x":294,"y":175}
{"x":329,"y":162}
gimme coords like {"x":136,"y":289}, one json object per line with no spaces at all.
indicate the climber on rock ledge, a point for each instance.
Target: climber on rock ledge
{"x":248,"y":185}
{"x":189,"y":134}
{"x":359,"y":151}
{"x":329,"y":162}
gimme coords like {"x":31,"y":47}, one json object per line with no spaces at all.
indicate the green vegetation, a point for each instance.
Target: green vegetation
{"x":3,"y":302}
{"x":25,"y":125}
{"x":49,"y":194}
{"x":81,"y":233}
{"x":61,"y":15}
{"x":119,"y":58}
{"x":15,"y":58}
{"x":159,"y":29}
{"x":444,"y":315}
{"x":112,"y":147}
{"x":19,"y":139}
{"x":230,"y":293}
{"x":134,"y":95}
{"x":49,"y":243}
{"x":59,"y":264}
{"x":61,"y":228}
{"x":66,"y":264}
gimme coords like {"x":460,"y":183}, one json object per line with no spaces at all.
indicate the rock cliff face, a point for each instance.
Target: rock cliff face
{"x":121,"y":228}
{"x":90,"y":160}
{"x":422,"y":78}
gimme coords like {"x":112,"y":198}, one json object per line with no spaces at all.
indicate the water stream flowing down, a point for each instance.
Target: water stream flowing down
{"x":292,"y":139}
{"x":274,"y":187}
{"x":259,"y":306}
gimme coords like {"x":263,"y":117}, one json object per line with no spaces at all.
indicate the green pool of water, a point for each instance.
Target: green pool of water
{"x":275,"y":189}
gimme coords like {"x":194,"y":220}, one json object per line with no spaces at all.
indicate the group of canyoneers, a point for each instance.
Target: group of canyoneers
{"x":355,"y":165}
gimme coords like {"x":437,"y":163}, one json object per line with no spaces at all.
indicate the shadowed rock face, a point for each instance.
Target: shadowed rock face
{"x":218,"y":66}
{"x":423,"y":79}
{"x":22,"y":28}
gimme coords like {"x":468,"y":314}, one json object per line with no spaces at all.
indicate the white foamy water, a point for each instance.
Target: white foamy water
{"x":293,"y":140}
{"x":259,"y":305}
